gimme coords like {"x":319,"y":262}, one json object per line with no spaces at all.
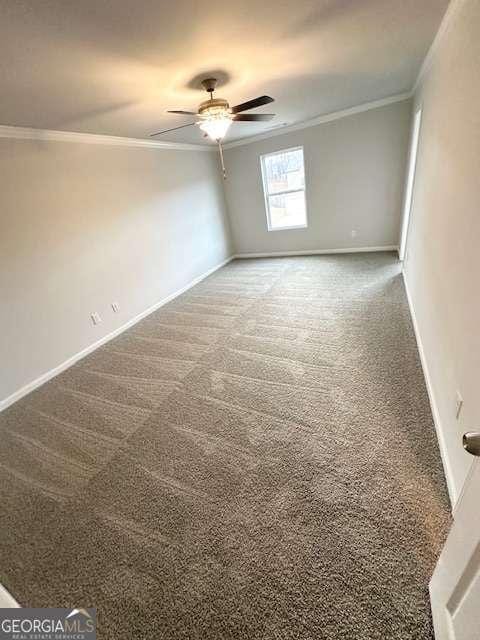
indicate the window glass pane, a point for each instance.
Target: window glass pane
{"x":284,"y":171}
{"x":287,"y":210}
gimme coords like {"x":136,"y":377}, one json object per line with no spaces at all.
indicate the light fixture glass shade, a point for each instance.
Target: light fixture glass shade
{"x":216,"y":128}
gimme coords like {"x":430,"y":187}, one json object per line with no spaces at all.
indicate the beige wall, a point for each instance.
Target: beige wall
{"x":442,"y":267}
{"x":354,"y":171}
{"x":82,"y":226}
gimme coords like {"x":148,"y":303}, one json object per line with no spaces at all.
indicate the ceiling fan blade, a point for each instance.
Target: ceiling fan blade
{"x":174,"y":129}
{"x":253,"y":117}
{"x":186,"y":113}
{"x":252,"y":104}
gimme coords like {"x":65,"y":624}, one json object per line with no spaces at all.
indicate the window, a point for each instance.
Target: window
{"x":284,"y":188}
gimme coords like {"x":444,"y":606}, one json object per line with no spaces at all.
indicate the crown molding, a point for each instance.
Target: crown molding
{"x":48,"y":135}
{"x":443,"y":29}
{"x":328,"y":117}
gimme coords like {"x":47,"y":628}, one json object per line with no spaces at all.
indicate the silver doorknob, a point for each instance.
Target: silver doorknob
{"x":471,"y":443}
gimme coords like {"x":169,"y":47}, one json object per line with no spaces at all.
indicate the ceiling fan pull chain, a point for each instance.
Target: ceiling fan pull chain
{"x":221,"y":160}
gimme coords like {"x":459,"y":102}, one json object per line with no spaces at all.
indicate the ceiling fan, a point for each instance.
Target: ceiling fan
{"x":215,"y":115}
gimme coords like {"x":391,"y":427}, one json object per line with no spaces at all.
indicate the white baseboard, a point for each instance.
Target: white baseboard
{"x":431,"y":396}
{"x":45,"y":377}
{"x":6,"y":600}
{"x":310,"y":252}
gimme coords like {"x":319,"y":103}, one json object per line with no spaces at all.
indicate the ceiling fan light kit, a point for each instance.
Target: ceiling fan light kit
{"x":216,"y":116}
{"x":216,"y":128}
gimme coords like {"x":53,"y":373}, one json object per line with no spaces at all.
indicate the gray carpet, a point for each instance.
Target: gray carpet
{"x":255,"y":460}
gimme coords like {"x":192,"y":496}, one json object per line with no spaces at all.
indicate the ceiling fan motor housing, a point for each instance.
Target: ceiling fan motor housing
{"x":213,"y":107}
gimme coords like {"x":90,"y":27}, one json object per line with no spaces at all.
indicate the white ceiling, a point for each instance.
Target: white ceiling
{"x":115,"y":66}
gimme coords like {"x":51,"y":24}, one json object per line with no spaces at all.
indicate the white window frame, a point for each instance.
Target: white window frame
{"x":279,"y":193}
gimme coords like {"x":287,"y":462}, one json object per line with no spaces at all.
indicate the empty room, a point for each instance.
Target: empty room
{"x":239,"y":320}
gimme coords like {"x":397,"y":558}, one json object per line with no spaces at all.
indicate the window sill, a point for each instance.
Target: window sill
{"x":300,"y":226}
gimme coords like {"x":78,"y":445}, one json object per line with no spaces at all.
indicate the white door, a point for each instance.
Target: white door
{"x":412,"y":163}
{"x":455,"y":584}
